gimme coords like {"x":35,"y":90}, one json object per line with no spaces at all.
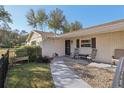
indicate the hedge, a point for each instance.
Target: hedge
{"x":31,"y":51}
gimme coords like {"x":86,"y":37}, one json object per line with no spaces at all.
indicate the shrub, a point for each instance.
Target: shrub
{"x":20,"y":52}
{"x":31,"y":51}
{"x":44,"y":59}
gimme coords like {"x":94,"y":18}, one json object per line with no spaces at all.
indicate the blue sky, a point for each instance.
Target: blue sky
{"x":87,"y":15}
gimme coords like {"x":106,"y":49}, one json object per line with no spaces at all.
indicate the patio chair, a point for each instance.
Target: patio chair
{"x":92,"y":56}
{"x":118,"y":53}
{"x":76,"y":53}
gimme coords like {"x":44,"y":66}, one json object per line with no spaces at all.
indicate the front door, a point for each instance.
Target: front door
{"x":67,"y":47}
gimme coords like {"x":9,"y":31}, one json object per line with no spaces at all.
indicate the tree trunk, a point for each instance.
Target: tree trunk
{"x":55,"y":31}
{"x":42,"y":28}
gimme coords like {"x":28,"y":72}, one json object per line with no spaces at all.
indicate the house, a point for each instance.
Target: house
{"x":36,"y":37}
{"x":105,"y":38}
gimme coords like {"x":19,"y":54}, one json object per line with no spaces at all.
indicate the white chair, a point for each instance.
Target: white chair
{"x":93,"y":54}
{"x":76,"y":53}
{"x":118,"y":53}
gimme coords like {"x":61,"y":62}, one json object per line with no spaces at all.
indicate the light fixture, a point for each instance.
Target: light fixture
{"x":71,"y":41}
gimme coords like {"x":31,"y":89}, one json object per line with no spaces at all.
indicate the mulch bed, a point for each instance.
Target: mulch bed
{"x":96,"y":77}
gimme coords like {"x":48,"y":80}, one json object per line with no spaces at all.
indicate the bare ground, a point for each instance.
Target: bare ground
{"x":96,"y":77}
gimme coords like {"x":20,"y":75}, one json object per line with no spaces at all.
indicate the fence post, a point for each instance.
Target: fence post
{"x":4,"y":61}
{"x":1,"y":74}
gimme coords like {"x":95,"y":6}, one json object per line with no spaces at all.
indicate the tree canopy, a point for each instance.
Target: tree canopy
{"x":31,"y":19}
{"x":8,"y":37}
{"x":13,"y":38}
{"x":37,"y":19}
{"x":4,"y":15}
{"x":75,"y":26}
{"x":66,"y":27}
{"x":41,"y":18}
{"x":55,"y":20}
{"x":5,"y":18}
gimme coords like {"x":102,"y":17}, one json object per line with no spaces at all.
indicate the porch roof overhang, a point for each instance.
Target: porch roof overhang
{"x":104,"y":28}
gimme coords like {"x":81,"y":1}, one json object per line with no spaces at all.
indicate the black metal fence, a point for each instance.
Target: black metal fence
{"x":4,"y":61}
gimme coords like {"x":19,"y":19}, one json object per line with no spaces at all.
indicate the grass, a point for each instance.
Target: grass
{"x":32,"y":75}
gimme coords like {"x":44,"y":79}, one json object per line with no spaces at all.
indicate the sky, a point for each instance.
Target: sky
{"x":87,"y":15}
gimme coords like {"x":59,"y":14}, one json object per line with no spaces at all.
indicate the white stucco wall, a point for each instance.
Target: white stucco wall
{"x":105,"y":44}
{"x":51,"y":46}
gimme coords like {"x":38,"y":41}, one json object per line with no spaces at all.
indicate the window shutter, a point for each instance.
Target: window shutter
{"x":93,"y":42}
{"x":78,"y":43}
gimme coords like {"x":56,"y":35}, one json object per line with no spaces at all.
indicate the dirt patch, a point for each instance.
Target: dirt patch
{"x":96,"y":77}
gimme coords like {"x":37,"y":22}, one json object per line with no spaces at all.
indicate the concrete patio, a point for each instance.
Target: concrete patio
{"x":92,"y":64}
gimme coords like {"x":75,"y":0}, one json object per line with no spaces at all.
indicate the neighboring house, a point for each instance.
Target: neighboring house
{"x":105,"y":38}
{"x":36,"y":37}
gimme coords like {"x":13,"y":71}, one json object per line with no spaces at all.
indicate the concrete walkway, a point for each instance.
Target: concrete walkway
{"x":65,"y":78}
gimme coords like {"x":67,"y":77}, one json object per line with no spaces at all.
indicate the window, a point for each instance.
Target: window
{"x":86,"y":43}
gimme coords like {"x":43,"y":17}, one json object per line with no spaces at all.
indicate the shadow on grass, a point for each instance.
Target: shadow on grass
{"x":32,"y":75}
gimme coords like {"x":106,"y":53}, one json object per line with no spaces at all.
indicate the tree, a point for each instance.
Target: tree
{"x":8,"y":38}
{"x":23,"y":32}
{"x":37,"y":19}
{"x":5,"y":18}
{"x":22,"y":37}
{"x":16,"y":31}
{"x":75,"y":26}
{"x":5,"y":26}
{"x":4,"y":15}
{"x":41,"y":18}
{"x":66,"y":27}
{"x":56,"y":19}
{"x":31,"y":19}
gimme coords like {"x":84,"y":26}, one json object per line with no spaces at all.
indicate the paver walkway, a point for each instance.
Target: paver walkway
{"x":65,"y":78}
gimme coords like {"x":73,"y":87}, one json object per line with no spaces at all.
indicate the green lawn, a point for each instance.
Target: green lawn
{"x":32,"y":75}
